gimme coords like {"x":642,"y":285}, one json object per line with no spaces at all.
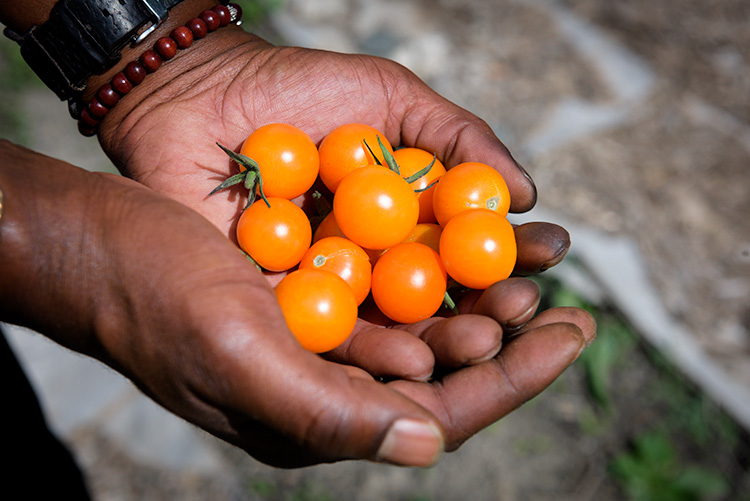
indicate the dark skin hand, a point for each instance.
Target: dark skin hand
{"x":119,"y":278}
{"x":282,"y":404}
{"x":163,"y":135}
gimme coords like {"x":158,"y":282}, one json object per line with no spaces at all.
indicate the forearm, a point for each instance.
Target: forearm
{"x":47,"y":236}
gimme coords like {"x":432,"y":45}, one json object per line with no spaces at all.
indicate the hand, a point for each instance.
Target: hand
{"x":116,"y":274}
{"x":163,"y":135}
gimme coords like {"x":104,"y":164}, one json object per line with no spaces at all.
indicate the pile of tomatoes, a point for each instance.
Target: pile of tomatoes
{"x":399,"y":227}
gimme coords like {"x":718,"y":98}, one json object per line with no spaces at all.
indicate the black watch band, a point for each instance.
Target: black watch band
{"x":85,"y":37}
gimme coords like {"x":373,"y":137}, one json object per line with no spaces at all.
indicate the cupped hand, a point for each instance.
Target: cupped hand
{"x":148,"y":286}
{"x":164,"y":134}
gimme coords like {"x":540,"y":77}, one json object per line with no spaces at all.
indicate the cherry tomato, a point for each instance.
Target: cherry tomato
{"x":346,"y":259}
{"x":375,"y":207}
{"x":288,"y":159}
{"x":409,"y":282}
{"x":328,"y":227}
{"x":470,"y":185}
{"x":344,"y":150}
{"x":319,"y":308}
{"x":412,"y":160}
{"x":478,"y":248}
{"x":427,"y":234}
{"x":276,"y":237}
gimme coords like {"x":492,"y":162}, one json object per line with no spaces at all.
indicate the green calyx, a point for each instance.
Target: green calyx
{"x":391,"y":164}
{"x":250,"y":177}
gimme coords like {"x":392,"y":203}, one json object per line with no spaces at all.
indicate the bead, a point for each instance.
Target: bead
{"x":86,"y":130}
{"x":237,"y":11}
{"x":150,"y":60}
{"x":198,"y":27}
{"x":225,"y":17}
{"x":121,"y":84}
{"x":87,"y":119}
{"x":166,"y":47}
{"x":135,"y":72}
{"x":96,"y":108}
{"x":107,"y":95}
{"x":182,"y":36}
{"x":211,"y":19}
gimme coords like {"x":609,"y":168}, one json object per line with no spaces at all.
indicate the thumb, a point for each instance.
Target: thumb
{"x":298,"y":409}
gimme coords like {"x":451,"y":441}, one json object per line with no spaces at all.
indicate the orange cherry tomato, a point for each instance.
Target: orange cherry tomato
{"x":276,"y":237}
{"x":346,"y":259}
{"x":470,"y":185}
{"x":427,"y":234}
{"x":478,"y":248}
{"x":412,"y":160}
{"x":409,"y":282}
{"x":319,"y":308}
{"x":328,"y":227}
{"x":343,"y":150}
{"x":288,"y":159}
{"x":375,"y":207}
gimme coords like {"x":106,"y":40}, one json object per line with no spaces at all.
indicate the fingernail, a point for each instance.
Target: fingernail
{"x":555,"y":260}
{"x":411,"y":443}
{"x":525,"y":173}
{"x":523,"y":317}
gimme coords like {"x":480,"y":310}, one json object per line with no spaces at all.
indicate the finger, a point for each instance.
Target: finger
{"x":385,"y":352}
{"x":581,"y":318}
{"x":460,"y":340}
{"x":432,"y":123}
{"x":476,"y":334}
{"x":511,"y":302}
{"x":540,"y":247}
{"x":472,"y":398}
{"x":313,"y":411}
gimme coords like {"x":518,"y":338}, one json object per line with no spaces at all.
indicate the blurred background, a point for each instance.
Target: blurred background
{"x":633,"y":117}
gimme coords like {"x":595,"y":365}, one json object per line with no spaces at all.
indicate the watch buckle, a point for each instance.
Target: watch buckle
{"x":158,"y":14}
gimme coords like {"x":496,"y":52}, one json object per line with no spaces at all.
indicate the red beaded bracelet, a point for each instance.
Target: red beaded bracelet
{"x":164,"y":49}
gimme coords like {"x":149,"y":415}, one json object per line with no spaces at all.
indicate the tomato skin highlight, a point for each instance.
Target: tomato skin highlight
{"x":409,"y":283}
{"x":343,"y":150}
{"x":288,"y":159}
{"x":411,"y":161}
{"x":346,"y":259}
{"x":276,"y":237}
{"x":470,"y":185}
{"x":478,"y":248}
{"x":319,"y":308}
{"x":375,"y":207}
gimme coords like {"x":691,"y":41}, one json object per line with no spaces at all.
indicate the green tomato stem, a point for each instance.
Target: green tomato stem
{"x":449,"y":303}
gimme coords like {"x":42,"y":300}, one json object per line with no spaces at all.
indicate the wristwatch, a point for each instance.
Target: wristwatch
{"x":85,"y":37}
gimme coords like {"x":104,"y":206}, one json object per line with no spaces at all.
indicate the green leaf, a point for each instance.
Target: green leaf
{"x":421,"y":173}
{"x":250,"y":177}
{"x":244,"y":161}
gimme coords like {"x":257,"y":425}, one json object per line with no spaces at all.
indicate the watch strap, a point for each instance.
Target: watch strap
{"x":85,"y":37}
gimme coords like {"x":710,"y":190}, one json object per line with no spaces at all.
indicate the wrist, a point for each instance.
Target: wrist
{"x":188,"y":24}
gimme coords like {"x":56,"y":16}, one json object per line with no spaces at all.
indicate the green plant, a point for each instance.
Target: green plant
{"x":652,"y":470}
{"x":254,"y":11}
